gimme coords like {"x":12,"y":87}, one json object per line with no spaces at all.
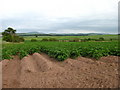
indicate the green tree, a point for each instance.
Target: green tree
{"x":101,"y":39}
{"x":36,"y":35}
{"x":9,"y":35}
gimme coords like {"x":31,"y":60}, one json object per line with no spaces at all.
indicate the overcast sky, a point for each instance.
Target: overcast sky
{"x":60,"y":16}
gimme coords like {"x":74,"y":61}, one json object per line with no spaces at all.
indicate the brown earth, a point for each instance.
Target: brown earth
{"x":41,"y":71}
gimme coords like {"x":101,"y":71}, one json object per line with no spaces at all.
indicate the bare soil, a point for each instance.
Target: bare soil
{"x":41,"y":71}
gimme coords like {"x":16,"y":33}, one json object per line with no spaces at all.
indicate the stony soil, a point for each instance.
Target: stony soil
{"x":41,"y":71}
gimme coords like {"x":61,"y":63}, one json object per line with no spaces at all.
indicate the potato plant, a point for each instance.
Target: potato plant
{"x":62,"y":50}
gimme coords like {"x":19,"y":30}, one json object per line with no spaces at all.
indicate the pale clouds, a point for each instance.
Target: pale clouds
{"x":74,"y":16}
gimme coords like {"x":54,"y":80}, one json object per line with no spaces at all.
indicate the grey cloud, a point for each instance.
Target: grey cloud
{"x":108,"y":26}
{"x":42,"y":24}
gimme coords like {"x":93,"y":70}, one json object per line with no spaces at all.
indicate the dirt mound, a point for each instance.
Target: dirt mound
{"x":110,"y":59}
{"x":37,"y":63}
{"x":42,"y":71}
{"x":11,"y":72}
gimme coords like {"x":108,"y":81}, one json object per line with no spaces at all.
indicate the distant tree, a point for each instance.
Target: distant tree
{"x":76,"y":40}
{"x":9,"y":35}
{"x":9,"y":31}
{"x":89,"y":39}
{"x":36,"y":35}
{"x":111,"y":39}
{"x":84,"y":40}
{"x":101,"y":39}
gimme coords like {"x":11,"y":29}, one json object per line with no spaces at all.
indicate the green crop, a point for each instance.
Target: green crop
{"x":62,"y":50}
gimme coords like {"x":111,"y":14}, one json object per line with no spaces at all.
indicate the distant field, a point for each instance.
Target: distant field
{"x":106,"y":37}
{"x":63,"y":50}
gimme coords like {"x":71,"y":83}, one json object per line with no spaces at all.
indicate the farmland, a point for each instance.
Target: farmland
{"x":89,"y":64}
{"x":62,"y":50}
{"x":107,"y":37}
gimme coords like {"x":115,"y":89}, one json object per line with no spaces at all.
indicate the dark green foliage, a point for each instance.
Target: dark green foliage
{"x":7,"y":38}
{"x":62,"y":50}
{"x":76,"y":40}
{"x":9,"y":35}
{"x":89,"y":39}
{"x":101,"y":39}
{"x":74,"y":53}
{"x":53,"y":39}
{"x":18,"y":39}
{"x":33,"y":40}
{"x":45,"y":39}
{"x":21,"y":39}
{"x":36,"y":35}
{"x":22,"y":54}
{"x":111,"y":39}
{"x":57,"y":53}
{"x":84,"y":40}
{"x":6,"y":55}
{"x":33,"y":50}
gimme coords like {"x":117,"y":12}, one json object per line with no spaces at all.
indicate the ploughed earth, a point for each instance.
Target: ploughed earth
{"x":41,"y":71}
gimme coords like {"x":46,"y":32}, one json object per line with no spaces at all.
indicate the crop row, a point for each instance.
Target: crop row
{"x":62,"y":50}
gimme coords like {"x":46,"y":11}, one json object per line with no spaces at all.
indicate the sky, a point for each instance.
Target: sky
{"x":60,"y":16}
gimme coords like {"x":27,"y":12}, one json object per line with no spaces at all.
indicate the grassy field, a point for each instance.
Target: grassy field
{"x":106,"y":37}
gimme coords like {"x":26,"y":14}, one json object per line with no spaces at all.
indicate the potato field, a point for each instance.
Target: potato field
{"x":62,"y":50}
